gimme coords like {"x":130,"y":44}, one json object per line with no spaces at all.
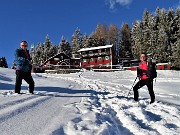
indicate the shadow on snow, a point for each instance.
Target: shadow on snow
{"x":71,"y":92}
{"x":4,"y":78}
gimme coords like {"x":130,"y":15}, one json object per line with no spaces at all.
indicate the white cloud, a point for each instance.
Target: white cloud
{"x":112,"y":3}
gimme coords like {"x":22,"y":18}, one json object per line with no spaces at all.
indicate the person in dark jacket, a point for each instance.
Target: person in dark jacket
{"x":146,"y":75}
{"x":23,"y":68}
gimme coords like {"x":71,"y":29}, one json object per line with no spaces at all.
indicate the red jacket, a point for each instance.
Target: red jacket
{"x":144,"y":67}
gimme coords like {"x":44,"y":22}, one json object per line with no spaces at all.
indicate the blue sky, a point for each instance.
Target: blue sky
{"x":32,"y":20}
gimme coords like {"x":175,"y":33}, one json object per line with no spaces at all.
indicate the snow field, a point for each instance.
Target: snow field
{"x":135,"y":118}
{"x":94,"y":104}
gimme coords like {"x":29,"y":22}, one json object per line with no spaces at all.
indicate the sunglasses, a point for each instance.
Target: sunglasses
{"x":24,"y":45}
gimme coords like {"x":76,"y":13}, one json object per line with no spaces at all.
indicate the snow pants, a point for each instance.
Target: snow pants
{"x":20,"y":75}
{"x":149,"y":83}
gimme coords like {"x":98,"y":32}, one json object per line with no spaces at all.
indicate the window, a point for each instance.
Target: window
{"x":107,"y":58}
{"x":99,"y":51}
{"x":84,"y":60}
{"x":84,"y":54}
{"x":92,"y":59}
{"x":67,"y":60}
{"x":90,"y":52}
{"x":106,"y":51}
{"x":99,"y":58}
{"x":56,"y":59}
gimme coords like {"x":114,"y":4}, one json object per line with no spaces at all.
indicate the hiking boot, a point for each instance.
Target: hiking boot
{"x":152,"y":101}
{"x":136,"y":100}
{"x":31,"y":92}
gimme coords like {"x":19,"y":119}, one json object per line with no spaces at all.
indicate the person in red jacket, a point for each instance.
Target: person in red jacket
{"x":144,"y":73}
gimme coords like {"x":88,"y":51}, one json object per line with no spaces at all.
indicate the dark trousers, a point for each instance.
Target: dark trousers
{"x":20,"y":75}
{"x":149,"y":83}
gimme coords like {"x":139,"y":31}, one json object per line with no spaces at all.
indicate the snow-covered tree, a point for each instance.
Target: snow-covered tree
{"x":49,"y":49}
{"x":176,"y":45}
{"x":3,"y":62}
{"x":76,"y":42}
{"x":176,"y":54}
{"x":92,"y":40}
{"x":86,"y":41}
{"x":161,"y":48}
{"x":37,"y":58}
{"x":64,"y":47}
{"x":137,"y":39}
{"x":60,"y":44}
{"x":125,"y":42}
{"x":155,"y":35}
{"x":147,"y":29}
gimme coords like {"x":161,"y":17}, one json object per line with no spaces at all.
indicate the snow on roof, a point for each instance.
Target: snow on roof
{"x":75,"y":58}
{"x":95,"y":48}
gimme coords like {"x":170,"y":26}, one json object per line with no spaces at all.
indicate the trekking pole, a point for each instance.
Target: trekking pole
{"x":132,"y":86}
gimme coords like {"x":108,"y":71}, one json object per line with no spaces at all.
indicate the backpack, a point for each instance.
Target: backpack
{"x":152,"y":73}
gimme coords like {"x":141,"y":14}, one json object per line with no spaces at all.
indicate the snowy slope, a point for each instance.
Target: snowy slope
{"x":94,"y":104}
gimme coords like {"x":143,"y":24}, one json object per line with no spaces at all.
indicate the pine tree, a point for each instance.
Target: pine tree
{"x":163,"y":42}
{"x":176,"y":45}
{"x":38,"y":57}
{"x":49,"y":49}
{"x":176,"y":54}
{"x":161,"y":49}
{"x":153,"y":34}
{"x":68,"y":50}
{"x":76,"y":42}
{"x":173,"y":30}
{"x":60,"y":44}
{"x":125,"y":42}
{"x":52,"y":51}
{"x":137,"y":39}
{"x":3,"y":62}
{"x":147,"y":37}
{"x":86,"y":41}
{"x":64,"y":47}
{"x":93,"y":40}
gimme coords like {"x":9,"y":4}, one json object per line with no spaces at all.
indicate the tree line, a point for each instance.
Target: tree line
{"x":156,"y":34}
{"x":3,"y":62}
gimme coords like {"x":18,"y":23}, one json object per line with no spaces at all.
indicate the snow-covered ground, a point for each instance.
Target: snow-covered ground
{"x":94,"y":104}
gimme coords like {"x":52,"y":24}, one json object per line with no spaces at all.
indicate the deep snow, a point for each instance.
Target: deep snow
{"x":94,"y":104}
